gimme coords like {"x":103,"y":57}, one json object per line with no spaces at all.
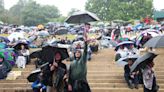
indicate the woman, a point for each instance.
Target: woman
{"x":54,"y":74}
{"x":149,"y":78}
{"x":77,"y":81}
{"x":23,"y":57}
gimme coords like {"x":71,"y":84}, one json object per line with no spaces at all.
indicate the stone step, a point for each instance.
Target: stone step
{"x":13,"y":85}
{"x":98,"y":76}
{"x":107,"y":80}
{"x":16,"y":89}
{"x":99,"y":89}
{"x":116,"y":85}
{"x":92,"y":85}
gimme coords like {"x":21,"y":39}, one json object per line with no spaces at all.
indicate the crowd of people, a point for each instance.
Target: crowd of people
{"x":128,"y":52}
{"x":56,"y":77}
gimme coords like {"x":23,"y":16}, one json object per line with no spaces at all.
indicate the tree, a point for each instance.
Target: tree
{"x":2,"y":9}
{"x":51,"y":11}
{"x":73,"y":10}
{"x":34,"y":14}
{"x":120,"y":9}
{"x":16,"y":12}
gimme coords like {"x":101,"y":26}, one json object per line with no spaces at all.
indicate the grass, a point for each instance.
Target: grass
{"x":69,"y":36}
{"x":4,"y":35}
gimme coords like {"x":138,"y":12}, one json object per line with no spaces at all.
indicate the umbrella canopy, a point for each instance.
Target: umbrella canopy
{"x":3,"y":45}
{"x":142,"y":61}
{"x":155,"y":42}
{"x":61,"y":31}
{"x":18,"y":45}
{"x":145,"y":35}
{"x":32,"y":38}
{"x":123,"y":43}
{"x":4,"y":39}
{"x":16,"y":36}
{"x":123,"y":39}
{"x":49,"y":52}
{"x":36,"y":54}
{"x":34,"y":75}
{"x":43,"y":33}
{"x":82,"y":17}
{"x":124,"y":61}
{"x":9,"y":55}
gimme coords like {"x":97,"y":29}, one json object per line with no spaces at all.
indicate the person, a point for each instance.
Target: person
{"x":131,"y":78}
{"x":38,"y":86}
{"x":77,"y":81}
{"x":5,"y":67}
{"x":149,"y":78}
{"x":52,"y":76}
{"x":22,"y":59}
{"x":25,"y":52}
{"x":132,"y":50}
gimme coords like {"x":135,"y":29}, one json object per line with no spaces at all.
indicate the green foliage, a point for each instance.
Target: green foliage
{"x":120,"y":9}
{"x":73,"y":10}
{"x":60,"y":19}
{"x":29,"y":13}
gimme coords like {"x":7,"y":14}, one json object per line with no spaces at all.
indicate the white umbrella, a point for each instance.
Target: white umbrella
{"x":16,"y":36}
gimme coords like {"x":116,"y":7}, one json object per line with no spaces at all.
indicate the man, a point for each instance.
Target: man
{"x":78,"y":70}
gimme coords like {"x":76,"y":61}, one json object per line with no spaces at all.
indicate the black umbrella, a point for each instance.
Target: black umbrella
{"x":61,"y":31}
{"x":34,"y":75}
{"x":48,"y":53}
{"x":142,"y":61}
{"x":82,"y":17}
{"x":123,"y":61}
{"x":36,"y":54}
{"x":18,"y":45}
{"x":155,"y":42}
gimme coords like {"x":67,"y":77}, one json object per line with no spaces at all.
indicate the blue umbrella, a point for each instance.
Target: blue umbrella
{"x":5,"y":39}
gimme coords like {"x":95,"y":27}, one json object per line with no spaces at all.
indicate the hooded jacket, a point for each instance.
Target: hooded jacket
{"x":78,"y":68}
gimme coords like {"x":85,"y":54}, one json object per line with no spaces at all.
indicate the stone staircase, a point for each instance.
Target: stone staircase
{"x":103,"y":75}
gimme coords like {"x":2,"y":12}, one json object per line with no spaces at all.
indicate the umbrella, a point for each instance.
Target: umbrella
{"x":9,"y":55}
{"x":123,"y":39}
{"x":82,"y":17}
{"x":61,"y":31}
{"x":49,"y":52}
{"x":148,"y":34}
{"x":142,"y":61}
{"x":5,"y":39}
{"x":123,"y":61}
{"x":43,"y":33}
{"x":155,"y":42}
{"x":16,"y":36}
{"x":3,"y":45}
{"x":32,"y":38}
{"x":18,"y":45}
{"x":123,"y":43}
{"x":34,"y":75}
{"x":36,"y":54}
